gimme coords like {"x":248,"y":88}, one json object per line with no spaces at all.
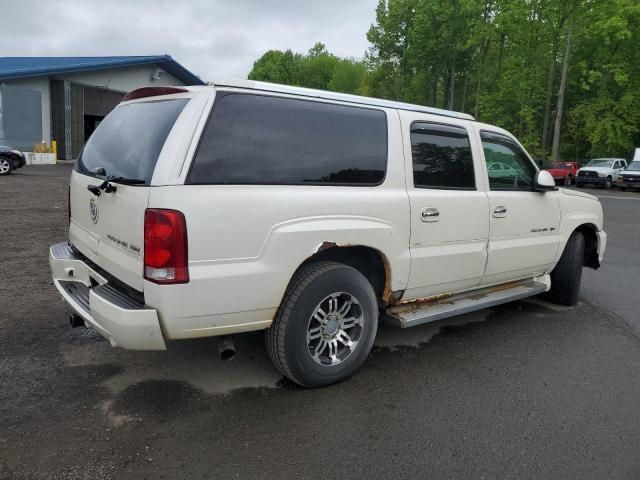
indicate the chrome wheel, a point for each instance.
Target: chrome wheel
{"x":334,"y":329}
{"x":4,"y":166}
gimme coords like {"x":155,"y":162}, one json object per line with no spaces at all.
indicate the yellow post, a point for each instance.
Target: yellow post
{"x":54,"y":148}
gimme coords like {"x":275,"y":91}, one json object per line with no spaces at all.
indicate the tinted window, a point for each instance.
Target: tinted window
{"x":256,"y":139}
{"x":128,"y":141}
{"x":441,"y":157}
{"x":508,"y":166}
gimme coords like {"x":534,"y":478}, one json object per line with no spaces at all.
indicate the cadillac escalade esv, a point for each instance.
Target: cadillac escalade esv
{"x":210,"y":211}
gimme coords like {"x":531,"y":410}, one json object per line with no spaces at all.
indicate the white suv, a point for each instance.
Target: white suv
{"x":207,"y":211}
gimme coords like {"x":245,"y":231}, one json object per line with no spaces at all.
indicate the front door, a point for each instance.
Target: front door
{"x":449,"y":208}
{"x":524,"y":224}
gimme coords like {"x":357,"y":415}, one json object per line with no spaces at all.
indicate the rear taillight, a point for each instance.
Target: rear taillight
{"x":165,"y":246}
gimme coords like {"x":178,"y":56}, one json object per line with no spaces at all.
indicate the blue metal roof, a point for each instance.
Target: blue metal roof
{"x":22,"y":67}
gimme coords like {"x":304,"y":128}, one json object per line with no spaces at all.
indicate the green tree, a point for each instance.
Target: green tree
{"x":562,"y":75}
{"x":277,"y":67}
{"x":317,"y":69}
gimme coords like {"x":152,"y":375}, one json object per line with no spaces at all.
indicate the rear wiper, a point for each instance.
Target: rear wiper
{"x":126,"y":181}
{"x":108,"y":188}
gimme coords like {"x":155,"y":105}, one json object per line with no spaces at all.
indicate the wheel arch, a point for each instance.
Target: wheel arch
{"x":591,"y":257}
{"x":369,"y":261}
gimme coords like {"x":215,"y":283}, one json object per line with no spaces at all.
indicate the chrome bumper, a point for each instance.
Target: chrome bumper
{"x":124,"y":321}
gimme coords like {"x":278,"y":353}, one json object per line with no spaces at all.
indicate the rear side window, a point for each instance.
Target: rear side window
{"x":256,"y":139}
{"x":441,"y":157}
{"x":128,"y":141}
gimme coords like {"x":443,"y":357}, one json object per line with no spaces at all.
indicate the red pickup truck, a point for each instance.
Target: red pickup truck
{"x":564,"y":172}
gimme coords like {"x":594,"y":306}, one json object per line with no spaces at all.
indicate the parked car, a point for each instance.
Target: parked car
{"x":601,"y":171}
{"x":630,"y":178}
{"x":564,"y":172}
{"x":501,"y":170}
{"x":10,"y":159}
{"x":210,"y":211}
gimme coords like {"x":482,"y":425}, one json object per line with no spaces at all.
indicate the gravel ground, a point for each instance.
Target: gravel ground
{"x":527,"y":390}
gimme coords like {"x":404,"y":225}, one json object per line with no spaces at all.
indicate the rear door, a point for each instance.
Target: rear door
{"x":109,"y":228}
{"x":524,"y":223}
{"x":449,"y":207}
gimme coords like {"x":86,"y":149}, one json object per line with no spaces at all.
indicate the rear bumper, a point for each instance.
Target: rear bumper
{"x":124,"y":321}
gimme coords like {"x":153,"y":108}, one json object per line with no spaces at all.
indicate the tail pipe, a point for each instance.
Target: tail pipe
{"x":226,"y":348}
{"x":76,"y":320}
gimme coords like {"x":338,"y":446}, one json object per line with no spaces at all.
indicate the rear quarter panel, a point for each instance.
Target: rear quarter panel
{"x":246,"y":241}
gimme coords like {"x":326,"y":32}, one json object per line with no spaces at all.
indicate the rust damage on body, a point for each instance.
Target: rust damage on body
{"x":325,"y":245}
{"x":418,"y":303}
{"x":387,"y":296}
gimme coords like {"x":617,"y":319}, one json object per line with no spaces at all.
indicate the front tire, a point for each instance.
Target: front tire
{"x":567,"y":275}
{"x":325,"y":326}
{"x":607,"y":183}
{"x":579,"y":184}
{"x":5,"y":166}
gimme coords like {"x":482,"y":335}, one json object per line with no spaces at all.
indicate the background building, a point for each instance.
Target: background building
{"x":65,"y":98}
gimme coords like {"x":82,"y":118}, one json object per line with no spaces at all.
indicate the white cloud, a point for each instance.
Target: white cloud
{"x":214,"y":39}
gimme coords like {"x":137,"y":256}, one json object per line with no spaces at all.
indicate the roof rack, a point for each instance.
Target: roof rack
{"x":342,"y":97}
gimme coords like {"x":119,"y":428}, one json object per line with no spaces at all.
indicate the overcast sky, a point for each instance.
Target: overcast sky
{"x":212,"y":38}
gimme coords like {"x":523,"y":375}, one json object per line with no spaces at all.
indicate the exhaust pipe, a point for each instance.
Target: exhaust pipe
{"x":226,"y":348}
{"x":76,"y":320}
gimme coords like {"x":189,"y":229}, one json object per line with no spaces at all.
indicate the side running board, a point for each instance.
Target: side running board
{"x":419,"y":312}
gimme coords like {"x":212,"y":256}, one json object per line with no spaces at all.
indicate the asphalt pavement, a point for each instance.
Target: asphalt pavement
{"x":525,"y":390}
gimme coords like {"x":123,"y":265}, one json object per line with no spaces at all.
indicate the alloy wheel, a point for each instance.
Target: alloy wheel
{"x":334,"y":329}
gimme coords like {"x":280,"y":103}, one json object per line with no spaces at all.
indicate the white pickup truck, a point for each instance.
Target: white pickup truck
{"x":604,"y":172}
{"x":209,"y":211}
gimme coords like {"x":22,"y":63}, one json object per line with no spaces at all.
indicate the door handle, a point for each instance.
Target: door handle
{"x":499,"y":211}
{"x":429,"y":214}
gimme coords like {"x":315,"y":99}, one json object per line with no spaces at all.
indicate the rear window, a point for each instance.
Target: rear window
{"x":256,"y":139}
{"x":128,"y":141}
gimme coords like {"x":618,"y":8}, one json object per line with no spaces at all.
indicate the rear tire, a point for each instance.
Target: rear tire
{"x":567,"y":275}
{"x":567,"y":181}
{"x":326,"y":307}
{"x":624,"y":189}
{"x":5,"y":166}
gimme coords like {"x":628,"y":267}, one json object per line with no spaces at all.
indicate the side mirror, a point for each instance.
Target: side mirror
{"x":545,"y":182}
